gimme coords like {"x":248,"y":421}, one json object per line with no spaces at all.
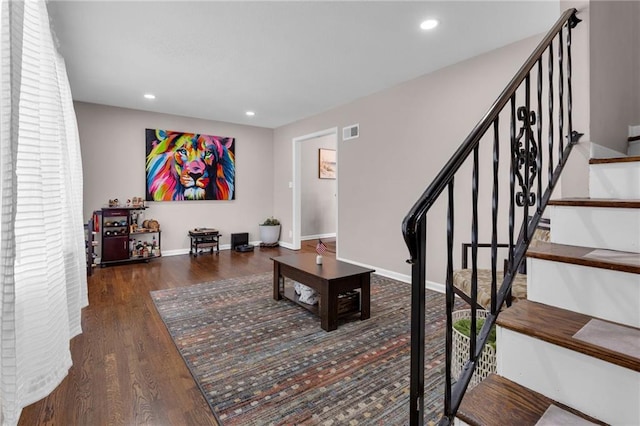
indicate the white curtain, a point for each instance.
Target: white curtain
{"x":42,"y":271}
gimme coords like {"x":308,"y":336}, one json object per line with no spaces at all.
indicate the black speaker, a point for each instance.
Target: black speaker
{"x":240,"y":239}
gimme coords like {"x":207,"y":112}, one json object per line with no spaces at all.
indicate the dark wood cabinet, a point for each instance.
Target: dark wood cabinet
{"x":121,"y":242}
{"x":115,"y":249}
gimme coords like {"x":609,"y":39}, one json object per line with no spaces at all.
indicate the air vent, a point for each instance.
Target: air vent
{"x":350,"y":132}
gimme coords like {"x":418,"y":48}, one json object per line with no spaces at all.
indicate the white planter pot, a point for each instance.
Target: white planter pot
{"x":269,"y":234}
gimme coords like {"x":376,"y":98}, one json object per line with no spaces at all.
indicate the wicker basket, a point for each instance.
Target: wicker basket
{"x":348,"y":302}
{"x":486,"y":363}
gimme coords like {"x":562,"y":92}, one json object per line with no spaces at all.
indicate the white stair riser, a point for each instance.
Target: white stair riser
{"x":601,"y":293}
{"x":597,"y":388}
{"x":598,"y":227}
{"x":615,"y":180}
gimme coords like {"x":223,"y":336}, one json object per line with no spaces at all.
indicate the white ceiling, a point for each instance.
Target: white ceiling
{"x":284,"y":60}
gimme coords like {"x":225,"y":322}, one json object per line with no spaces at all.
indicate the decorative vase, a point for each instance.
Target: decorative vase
{"x":269,"y":234}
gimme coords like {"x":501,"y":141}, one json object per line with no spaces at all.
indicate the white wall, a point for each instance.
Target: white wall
{"x":606,"y":84}
{"x":112,"y":141}
{"x":318,"y":196}
{"x":575,"y":177}
{"x":615,"y":77}
{"x":407,"y":134}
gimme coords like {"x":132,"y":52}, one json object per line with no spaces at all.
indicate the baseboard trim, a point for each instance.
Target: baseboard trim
{"x":286,"y":245}
{"x":431,"y":285}
{"x":317,"y":236}
{"x":176,"y":252}
{"x":179,"y":252}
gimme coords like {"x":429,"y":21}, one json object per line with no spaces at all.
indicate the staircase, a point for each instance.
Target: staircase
{"x":572,"y":350}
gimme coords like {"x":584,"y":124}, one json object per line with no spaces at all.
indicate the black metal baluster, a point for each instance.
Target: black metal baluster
{"x":512,"y":178}
{"x":569,"y":89}
{"x":449,"y":304}
{"x":418,"y":278}
{"x":474,"y":253}
{"x":539,"y":157}
{"x":551,"y":60}
{"x":494,"y":213}
{"x":527,"y":157}
{"x":560,"y":98}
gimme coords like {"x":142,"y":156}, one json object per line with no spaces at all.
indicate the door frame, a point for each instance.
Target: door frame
{"x":297,"y":178}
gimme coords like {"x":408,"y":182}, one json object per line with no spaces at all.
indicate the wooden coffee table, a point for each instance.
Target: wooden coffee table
{"x":330,"y":279}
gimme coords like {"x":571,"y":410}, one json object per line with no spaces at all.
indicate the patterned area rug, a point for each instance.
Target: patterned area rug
{"x":259,"y":361}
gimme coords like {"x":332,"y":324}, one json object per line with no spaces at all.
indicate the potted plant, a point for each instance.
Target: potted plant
{"x":461,"y":336}
{"x":270,"y":231}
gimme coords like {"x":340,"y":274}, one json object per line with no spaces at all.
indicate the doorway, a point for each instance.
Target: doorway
{"x":299,"y":180}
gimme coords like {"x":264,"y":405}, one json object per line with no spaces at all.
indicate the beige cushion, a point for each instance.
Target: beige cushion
{"x":462,"y":277}
{"x":462,"y":280}
{"x":540,"y":234}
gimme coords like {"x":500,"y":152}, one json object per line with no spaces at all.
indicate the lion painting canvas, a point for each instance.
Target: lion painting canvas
{"x":189,"y":166}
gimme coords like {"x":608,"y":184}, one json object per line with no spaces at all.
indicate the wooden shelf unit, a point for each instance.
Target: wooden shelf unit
{"x":119,"y":244}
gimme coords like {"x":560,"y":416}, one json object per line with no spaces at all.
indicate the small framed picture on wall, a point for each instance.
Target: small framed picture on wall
{"x":327,"y":163}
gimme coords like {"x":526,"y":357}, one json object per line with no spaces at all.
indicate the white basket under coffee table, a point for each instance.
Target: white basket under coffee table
{"x":460,"y":354}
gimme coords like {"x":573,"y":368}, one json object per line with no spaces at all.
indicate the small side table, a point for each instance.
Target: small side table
{"x":204,"y":238}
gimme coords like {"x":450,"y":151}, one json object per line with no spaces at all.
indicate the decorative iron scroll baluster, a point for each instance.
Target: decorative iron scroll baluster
{"x":539,"y":156}
{"x":523,"y":157}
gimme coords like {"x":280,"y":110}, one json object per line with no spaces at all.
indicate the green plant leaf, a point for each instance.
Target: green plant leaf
{"x":464,"y":327}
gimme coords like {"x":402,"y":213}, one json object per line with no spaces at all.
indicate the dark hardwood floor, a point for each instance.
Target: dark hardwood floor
{"x":126,"y":369}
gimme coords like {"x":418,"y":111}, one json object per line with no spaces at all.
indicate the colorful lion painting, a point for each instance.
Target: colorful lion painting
{"x":189,"y":166}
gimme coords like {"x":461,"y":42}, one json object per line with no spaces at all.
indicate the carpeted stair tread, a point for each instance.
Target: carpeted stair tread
{"x":499,"y":401}
{"x":586,"y":256}
{"x":596,"y":202}
{"x":558,"y":326}
{"x":614,"y":160}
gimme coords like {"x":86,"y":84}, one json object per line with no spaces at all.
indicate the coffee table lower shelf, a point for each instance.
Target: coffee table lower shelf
{"x":290,"y":294}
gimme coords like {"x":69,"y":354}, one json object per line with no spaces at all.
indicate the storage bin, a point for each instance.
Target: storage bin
{"x":460,"y":351}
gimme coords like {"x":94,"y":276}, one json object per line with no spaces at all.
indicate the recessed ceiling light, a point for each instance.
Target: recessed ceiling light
{"x":429,"y":24}
{"x":149,"y":96}
{"x":250,"y":113}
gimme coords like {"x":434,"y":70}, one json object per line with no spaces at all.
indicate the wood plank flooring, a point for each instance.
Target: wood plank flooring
{"x":126,"y":369}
